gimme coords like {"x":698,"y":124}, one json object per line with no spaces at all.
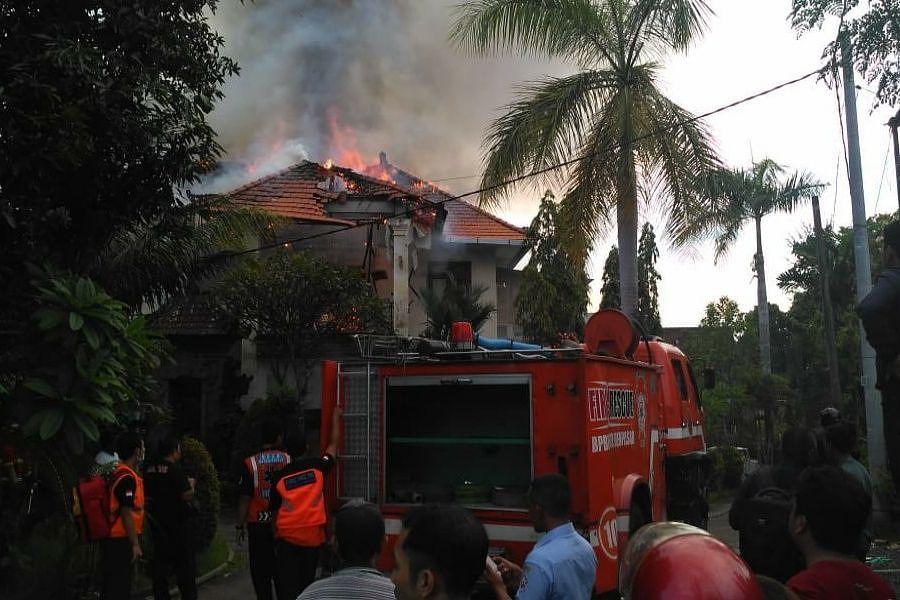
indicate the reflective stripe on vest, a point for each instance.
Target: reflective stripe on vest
{"x":302,"y":513}
{"x":118,"y":527}
{"x":262,"y":466}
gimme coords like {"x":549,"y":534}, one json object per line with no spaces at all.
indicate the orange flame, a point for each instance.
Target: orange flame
{"x":343,"y":144}
{"x":343,"y":147}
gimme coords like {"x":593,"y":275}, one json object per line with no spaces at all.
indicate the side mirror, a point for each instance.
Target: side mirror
{"x":709,"y":379}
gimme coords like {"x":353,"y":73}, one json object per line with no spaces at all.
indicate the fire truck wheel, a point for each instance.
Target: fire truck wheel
{"x":637,"y":517}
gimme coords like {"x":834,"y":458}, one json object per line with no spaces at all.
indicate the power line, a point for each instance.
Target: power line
{"x":883,"y":168}
{"x":548,"y":169}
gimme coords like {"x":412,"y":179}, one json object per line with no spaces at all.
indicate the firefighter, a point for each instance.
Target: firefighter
{"x":298,"y":507}
{"x":254,"y":521}
{"x":122,"y":548}
{"x":169,"y":496}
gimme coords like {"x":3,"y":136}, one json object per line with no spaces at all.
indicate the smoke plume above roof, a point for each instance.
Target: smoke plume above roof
{"x":326,"y":78}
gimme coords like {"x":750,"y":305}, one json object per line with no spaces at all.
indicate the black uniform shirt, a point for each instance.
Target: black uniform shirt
{"x":164,"y":484}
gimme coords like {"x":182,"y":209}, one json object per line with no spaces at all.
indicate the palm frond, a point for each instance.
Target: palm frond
{"x":590,"y":201}
{"x":660,"y":26}
{"x":677,"y":161}
{"x":148,"y":261}
{"x":543,"y":127}
{"x":572,"y":29}
{"x":799,"y":187}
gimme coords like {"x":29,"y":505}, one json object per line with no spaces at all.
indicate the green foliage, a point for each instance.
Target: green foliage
{"x":92,"y":362}
{"x":874,"y":37}
{"x":50,"y":563}
{"x":152,"y":260}
{"x":735,"y":197}
{"x":458,"y":301}
{"x":197,"y":463}
{"x":807,"y":364}
{"x":648,"y":280}
{"x":293,"y":300}
{"x":728,"y":467}
{"x":605,"y":116}
{"x":609,"y":291}
{"x":553,"y":296}
{"x":102,"y":123}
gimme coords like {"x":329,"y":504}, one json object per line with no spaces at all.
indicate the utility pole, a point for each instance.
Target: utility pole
{"x":893,"y":122}
{"x":874,"y":420}
{"x":834,"y":382}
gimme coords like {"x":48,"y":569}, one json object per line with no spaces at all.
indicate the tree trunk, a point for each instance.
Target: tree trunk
{"x":627,"y":225}
{"x":765,"y":345}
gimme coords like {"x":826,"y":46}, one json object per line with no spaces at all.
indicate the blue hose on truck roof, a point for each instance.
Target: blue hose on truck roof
{"x":503,"y":344}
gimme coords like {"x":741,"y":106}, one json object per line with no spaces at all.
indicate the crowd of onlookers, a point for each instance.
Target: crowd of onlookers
{"x":806,"y":521}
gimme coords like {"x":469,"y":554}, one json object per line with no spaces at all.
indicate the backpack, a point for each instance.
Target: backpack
{"x":91,"y":506}
{"x":766,"y":544}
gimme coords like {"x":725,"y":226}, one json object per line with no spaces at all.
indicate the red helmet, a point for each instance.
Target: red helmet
{"x":671,"y":561}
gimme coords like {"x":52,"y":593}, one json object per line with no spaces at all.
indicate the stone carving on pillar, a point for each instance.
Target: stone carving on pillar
{"x":400,"y":234}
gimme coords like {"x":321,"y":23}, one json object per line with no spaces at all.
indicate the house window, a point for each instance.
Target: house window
{"x":438,"y":272}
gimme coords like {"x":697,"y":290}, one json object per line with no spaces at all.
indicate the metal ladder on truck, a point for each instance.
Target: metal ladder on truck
{"x":360,"y":456}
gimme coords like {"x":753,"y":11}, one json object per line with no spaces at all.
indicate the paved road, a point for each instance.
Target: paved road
{"x":236,"y":584}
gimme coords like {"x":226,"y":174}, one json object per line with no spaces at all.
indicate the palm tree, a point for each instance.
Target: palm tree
{"x":735,"y":197}
{"x":149,"y":261}
{"x":628,"y":140}
{"x":458,"y":301}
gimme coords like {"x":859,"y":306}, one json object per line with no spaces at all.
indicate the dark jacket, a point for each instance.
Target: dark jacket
{"x":783,"y":475}
{"x":880,"y":314}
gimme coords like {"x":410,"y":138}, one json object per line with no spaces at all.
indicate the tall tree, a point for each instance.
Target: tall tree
{"x":553,"y":296}
{"x":648,"y":278}
{"x":292,"y":301}
{"x":738,"y":196}
{"x":628,"y":140}
{"x":609,"y":291}
{"x":102,"y":124}
{"x":874,"y":37}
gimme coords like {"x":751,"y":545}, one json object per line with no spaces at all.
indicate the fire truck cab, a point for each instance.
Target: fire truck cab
{"x":619,"y":416}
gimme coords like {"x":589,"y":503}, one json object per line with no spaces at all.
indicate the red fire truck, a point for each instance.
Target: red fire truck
{"x":618,"y":415}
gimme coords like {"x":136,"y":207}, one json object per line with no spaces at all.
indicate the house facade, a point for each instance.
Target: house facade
{"x":404,"y":233}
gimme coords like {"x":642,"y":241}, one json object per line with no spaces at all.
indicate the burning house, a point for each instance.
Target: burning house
{"x":411,"y":236}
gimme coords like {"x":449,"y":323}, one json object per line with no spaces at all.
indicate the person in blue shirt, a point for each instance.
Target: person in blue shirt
{"x":562,"y":565}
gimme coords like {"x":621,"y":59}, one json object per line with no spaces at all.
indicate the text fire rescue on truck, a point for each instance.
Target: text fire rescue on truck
{"x":473,"y":421}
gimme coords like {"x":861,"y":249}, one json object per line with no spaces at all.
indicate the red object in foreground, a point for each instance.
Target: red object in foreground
{"x":672,"y":561}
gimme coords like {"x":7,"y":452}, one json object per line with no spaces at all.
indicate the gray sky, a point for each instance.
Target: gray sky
{"x":384,"y":69}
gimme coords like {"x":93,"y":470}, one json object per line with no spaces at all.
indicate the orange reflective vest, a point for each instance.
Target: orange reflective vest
{"x":118,"y":527}
{"x":301,"y":517}
{"x":262,"y":466}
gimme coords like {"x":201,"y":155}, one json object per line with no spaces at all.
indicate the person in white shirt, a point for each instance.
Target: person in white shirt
{"x":358,"y":536}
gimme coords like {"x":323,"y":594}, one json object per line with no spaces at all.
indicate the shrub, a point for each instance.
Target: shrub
{"x":727,"y":467}
{"x":197,"y":463}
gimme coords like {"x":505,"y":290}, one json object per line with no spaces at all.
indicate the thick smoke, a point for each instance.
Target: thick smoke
{"x":321,"y":78}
